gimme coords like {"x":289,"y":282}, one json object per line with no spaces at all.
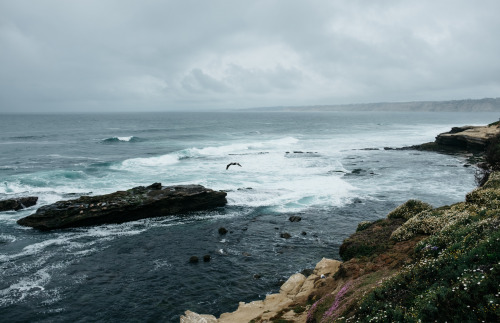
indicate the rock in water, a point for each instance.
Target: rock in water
{"x":122,"y":206}
{"x":17,"y":204}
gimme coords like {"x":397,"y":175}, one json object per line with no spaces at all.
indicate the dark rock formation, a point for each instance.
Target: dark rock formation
{"x":295,"y":218}
{"x":18,"y":203}
{"x":122,"y":206}
{"x":222,"y":231}
{"x":285,"y":235}
{"x":206,"y":258}
{"x":193,"y":259}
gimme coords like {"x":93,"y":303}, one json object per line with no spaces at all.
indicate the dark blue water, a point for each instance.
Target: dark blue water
{"x":139,"y":271}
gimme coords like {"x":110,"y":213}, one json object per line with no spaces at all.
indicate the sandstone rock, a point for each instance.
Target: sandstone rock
{"x":18,"y":203}
{"x":122,"y":206}
{"x":468,"y":137}
{"x":296,"y":288}
{"x":191,"y":317}
{"x":293,"y":285}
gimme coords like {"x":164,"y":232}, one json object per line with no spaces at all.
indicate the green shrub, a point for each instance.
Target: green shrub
{"x":409,"y":209}
{"x":363,"y":225}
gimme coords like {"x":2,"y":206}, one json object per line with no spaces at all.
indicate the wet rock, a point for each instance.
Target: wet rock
{"x":222,"y":231}
{"x":123,"y":206}
{"x":295,"y":218}
{"x":257,"y":276}
{"x":18,"y":203}
{"x":285,"y":235}
{"x":307,"y":272}
{"x":304,"y":233}
{"x":206,"y":258}
{"x":193,"y":260}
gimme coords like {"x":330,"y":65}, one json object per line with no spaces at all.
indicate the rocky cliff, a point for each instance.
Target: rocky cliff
{"x":122,"y":206}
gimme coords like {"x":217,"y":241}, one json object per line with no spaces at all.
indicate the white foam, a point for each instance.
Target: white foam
{"x":136,"y":164}
{"x":240,"y":148}
{"x":125,"y":138}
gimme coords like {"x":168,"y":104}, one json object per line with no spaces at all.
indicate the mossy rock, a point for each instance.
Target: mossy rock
{"x":409,"y":209}
{"x":363,"y":225}
{"x":373,"y":240}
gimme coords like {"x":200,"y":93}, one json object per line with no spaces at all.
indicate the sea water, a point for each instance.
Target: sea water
{"x":331,"y":169}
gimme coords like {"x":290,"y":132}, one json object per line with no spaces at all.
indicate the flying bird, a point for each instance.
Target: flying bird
{"x":227,"y":167}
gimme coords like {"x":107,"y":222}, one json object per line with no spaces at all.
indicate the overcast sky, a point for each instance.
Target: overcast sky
{"x":154,"y":55}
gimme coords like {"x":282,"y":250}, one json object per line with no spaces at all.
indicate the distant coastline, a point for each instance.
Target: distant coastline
{"x":466,"y":105}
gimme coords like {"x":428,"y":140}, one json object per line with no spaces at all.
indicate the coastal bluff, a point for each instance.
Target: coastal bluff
{"x":464,"y":138}
{"x":123,"y":206}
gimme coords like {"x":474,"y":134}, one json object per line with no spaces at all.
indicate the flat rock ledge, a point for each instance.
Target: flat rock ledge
{"x":123,"y":206}
{"x":17,"y":203}
{"x":466,"y":139}
{"x":296,"y":289}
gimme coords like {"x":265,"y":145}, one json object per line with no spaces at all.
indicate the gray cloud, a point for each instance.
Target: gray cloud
{"x":160,"y":55}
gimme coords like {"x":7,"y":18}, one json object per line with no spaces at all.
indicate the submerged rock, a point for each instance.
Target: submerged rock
{"x":18,"y":203}
{"x":122,"y":206}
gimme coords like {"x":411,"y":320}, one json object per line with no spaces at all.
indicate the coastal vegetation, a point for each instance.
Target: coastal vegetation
{"x":451,"y":272}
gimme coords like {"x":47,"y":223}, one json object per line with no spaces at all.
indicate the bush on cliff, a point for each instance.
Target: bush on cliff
{"x":409,"y":209}
{"x":454,"y":275}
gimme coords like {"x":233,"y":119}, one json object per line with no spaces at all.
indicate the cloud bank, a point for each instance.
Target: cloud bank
{"x":152,"y":55}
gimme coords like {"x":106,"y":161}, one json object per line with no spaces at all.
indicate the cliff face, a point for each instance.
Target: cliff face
{"x":468,"y":137}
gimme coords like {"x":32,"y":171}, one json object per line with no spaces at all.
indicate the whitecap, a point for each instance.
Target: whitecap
{"x":151,"y":162}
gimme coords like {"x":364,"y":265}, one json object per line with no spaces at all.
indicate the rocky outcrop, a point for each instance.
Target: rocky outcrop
{"x":468,"y":137}
{"x":17,"y":204}
{"x":276,"y":306}
{"x":122,"y":206}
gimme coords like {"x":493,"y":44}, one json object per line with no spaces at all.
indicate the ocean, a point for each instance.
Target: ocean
{"x":329,"y":168}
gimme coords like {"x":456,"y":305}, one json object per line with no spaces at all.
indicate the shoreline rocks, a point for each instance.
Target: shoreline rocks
{"x":276,"y":306}
{"x":18,"y":203}
{"x":123,"y":206}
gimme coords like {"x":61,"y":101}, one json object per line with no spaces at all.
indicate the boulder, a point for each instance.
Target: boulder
{"x":122,"y":206}
{"x":294,"y":218}
{"x":18,"y":203}
{"x":285,"y":235}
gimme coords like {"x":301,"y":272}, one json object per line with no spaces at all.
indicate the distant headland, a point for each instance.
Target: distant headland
{"x":466,"y":105}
